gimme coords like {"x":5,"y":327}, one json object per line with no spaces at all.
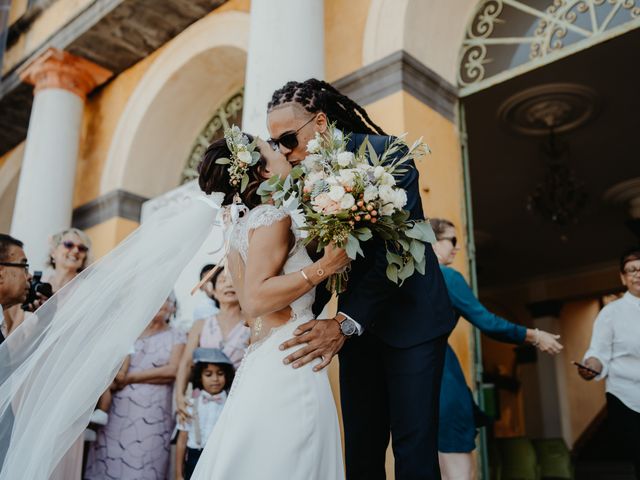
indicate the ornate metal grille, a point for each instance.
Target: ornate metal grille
{"x":505,"y":34}
{"x":229,"y":113}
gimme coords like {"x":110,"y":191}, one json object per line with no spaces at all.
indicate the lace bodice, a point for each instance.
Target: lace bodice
{"x":263,"y":216}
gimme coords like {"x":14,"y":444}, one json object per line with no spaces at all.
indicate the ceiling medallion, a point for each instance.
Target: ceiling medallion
{"x":558,"y":106}
{"x":549,"y":110}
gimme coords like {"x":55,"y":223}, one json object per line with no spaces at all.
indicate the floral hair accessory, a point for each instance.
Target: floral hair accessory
{"x":243,"y":156}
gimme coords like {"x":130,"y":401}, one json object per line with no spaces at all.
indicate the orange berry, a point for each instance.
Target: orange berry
{"x":360,"y":204}
{"x":369,"y":207}
{"x":354,"y":209}
{"x":358,"y":218}
{"x":374,"y":220}
{"x":367,"y":217}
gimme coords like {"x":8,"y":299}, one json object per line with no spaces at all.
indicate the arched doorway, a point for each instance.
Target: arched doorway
{"x":176,"y":108}
{"x":546,"y":89}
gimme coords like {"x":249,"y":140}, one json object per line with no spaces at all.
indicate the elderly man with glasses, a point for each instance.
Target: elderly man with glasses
{"x":614,"y":354}
{"x":14,"y":277}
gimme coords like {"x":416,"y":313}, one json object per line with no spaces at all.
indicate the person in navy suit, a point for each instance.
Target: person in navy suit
{"x":392,"y":339}
{"x":456,"y":439}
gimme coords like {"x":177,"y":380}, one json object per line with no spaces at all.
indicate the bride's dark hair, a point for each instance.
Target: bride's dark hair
{"x":215,"y":177}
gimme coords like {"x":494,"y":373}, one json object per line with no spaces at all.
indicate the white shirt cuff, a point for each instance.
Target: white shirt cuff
{"x":358,"y":326}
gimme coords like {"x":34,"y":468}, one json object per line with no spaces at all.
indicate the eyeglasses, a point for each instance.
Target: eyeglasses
{"x":631,"y":271}
{"x":69,"y":246}
{"x":17,"y":265}
{"x":453,"y":240}
{"x":289,"y":140}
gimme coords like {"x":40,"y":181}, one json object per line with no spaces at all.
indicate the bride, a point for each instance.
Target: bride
{"x":279,"y":422}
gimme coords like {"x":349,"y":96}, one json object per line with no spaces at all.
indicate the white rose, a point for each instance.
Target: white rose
{"x":370,"y":193}
{"x":321,"y":201}
{"x":347,"y":178}
{"x":387,"y":209}
{"x":378,"y":172}
{"x":386,"y":194}
{"x":336,"y":192}
{"x":400,"y":198}
{"x":244,"y":156}
{"x":387,"y":179}
{"x":345,"y":159}
{"x":312,"y":163}
{"x":313,"y":146}
{"x":347,"y":202}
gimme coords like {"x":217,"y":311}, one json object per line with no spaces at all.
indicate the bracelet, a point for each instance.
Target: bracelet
{"x":536,"y":342}
{"x":304,"y":275}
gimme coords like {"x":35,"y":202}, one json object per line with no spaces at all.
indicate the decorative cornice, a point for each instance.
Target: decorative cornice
{"x":118,"y":203}
{"x":59,"y":69}
{"x":400,"y":71}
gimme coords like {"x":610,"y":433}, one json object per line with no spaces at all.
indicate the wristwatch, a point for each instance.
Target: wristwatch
{"x":348,"y":327}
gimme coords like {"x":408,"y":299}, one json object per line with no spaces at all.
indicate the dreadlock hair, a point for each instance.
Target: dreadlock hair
{"x":318,"y":96}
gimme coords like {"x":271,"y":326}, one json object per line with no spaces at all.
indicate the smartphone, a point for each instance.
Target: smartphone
{"x":586,"y":368}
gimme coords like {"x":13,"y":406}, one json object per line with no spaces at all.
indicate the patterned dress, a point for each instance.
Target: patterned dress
{"x":234,"y":346}
{"x":134,"y":445}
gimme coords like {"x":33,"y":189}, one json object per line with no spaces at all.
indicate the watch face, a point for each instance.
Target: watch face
{"x":348,"y":327}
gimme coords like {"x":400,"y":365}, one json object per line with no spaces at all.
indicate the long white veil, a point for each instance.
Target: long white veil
{"x":55,"y":366}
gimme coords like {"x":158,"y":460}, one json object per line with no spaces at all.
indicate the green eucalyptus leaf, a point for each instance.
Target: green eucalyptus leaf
{"x":393,"y":258}
{"x":244,"y":182}
{"x":392,"y":273}
{"x":223,"y":161}
{"x":363,"y":234}
{"x":407,"y":270}
{"x":417,"y":250}
{"x":353,"y":247}
{"x":421,"y":266}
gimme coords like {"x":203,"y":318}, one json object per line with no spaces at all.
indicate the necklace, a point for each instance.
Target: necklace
{"x":257,"y":327}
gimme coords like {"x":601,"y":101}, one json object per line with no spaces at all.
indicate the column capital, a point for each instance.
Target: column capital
{"x":59,"y":69}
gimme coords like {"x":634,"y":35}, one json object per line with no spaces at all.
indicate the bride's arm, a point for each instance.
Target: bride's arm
{"x":265,"y":289}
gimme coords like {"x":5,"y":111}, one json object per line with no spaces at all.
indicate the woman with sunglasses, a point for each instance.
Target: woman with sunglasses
{"x":457,"y":427}
{"x":69,"y":254}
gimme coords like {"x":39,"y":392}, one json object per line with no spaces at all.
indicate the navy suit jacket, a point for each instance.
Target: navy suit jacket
{"x":401,"y":316}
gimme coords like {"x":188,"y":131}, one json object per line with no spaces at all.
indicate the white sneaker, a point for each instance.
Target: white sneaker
{"x":90,"y":435}
{"x":99,"y":417}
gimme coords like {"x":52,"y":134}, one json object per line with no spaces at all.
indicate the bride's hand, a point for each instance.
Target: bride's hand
{"x":334,"y":259}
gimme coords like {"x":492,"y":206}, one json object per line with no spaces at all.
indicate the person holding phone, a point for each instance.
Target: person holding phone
{"x":614,"y":355}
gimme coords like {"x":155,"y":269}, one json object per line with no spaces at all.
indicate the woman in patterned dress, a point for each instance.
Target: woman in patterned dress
{"x":226,"y":330}
{"x":135,"y":444}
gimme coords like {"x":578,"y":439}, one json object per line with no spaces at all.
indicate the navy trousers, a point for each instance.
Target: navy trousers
{"x":386,"y":390}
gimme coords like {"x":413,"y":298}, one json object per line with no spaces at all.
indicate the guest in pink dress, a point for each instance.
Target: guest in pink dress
{"x":135,"y":443}
{"x":226,"y":330}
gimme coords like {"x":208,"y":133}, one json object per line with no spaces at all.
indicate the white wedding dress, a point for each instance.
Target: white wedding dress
{"x":279,"y":423}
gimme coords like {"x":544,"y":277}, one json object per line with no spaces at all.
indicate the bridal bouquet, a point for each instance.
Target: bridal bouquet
{"x":348,"y":198}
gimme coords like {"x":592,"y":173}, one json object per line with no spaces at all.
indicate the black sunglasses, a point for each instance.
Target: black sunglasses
{"x":453,"y":240}
{"x":289,"y":140}
{"x":69,"y":246}
{"x":17,"y":265}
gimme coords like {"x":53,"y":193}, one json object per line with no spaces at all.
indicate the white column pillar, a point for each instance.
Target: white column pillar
{"x":286,"y":42}
{"x":47,"y":178}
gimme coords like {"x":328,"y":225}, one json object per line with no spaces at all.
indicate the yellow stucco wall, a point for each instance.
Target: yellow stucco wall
{"x":101,"y":116}
{"x":345,"y":23}
{"x":441,"y":181}
{"x":108,"y":234}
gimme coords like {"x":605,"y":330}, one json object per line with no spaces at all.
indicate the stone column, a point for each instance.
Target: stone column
{"x":286,"y":43}
{"x":47,"y":178}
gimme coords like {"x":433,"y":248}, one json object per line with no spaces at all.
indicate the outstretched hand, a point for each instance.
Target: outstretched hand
{"x":321,"y":339}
